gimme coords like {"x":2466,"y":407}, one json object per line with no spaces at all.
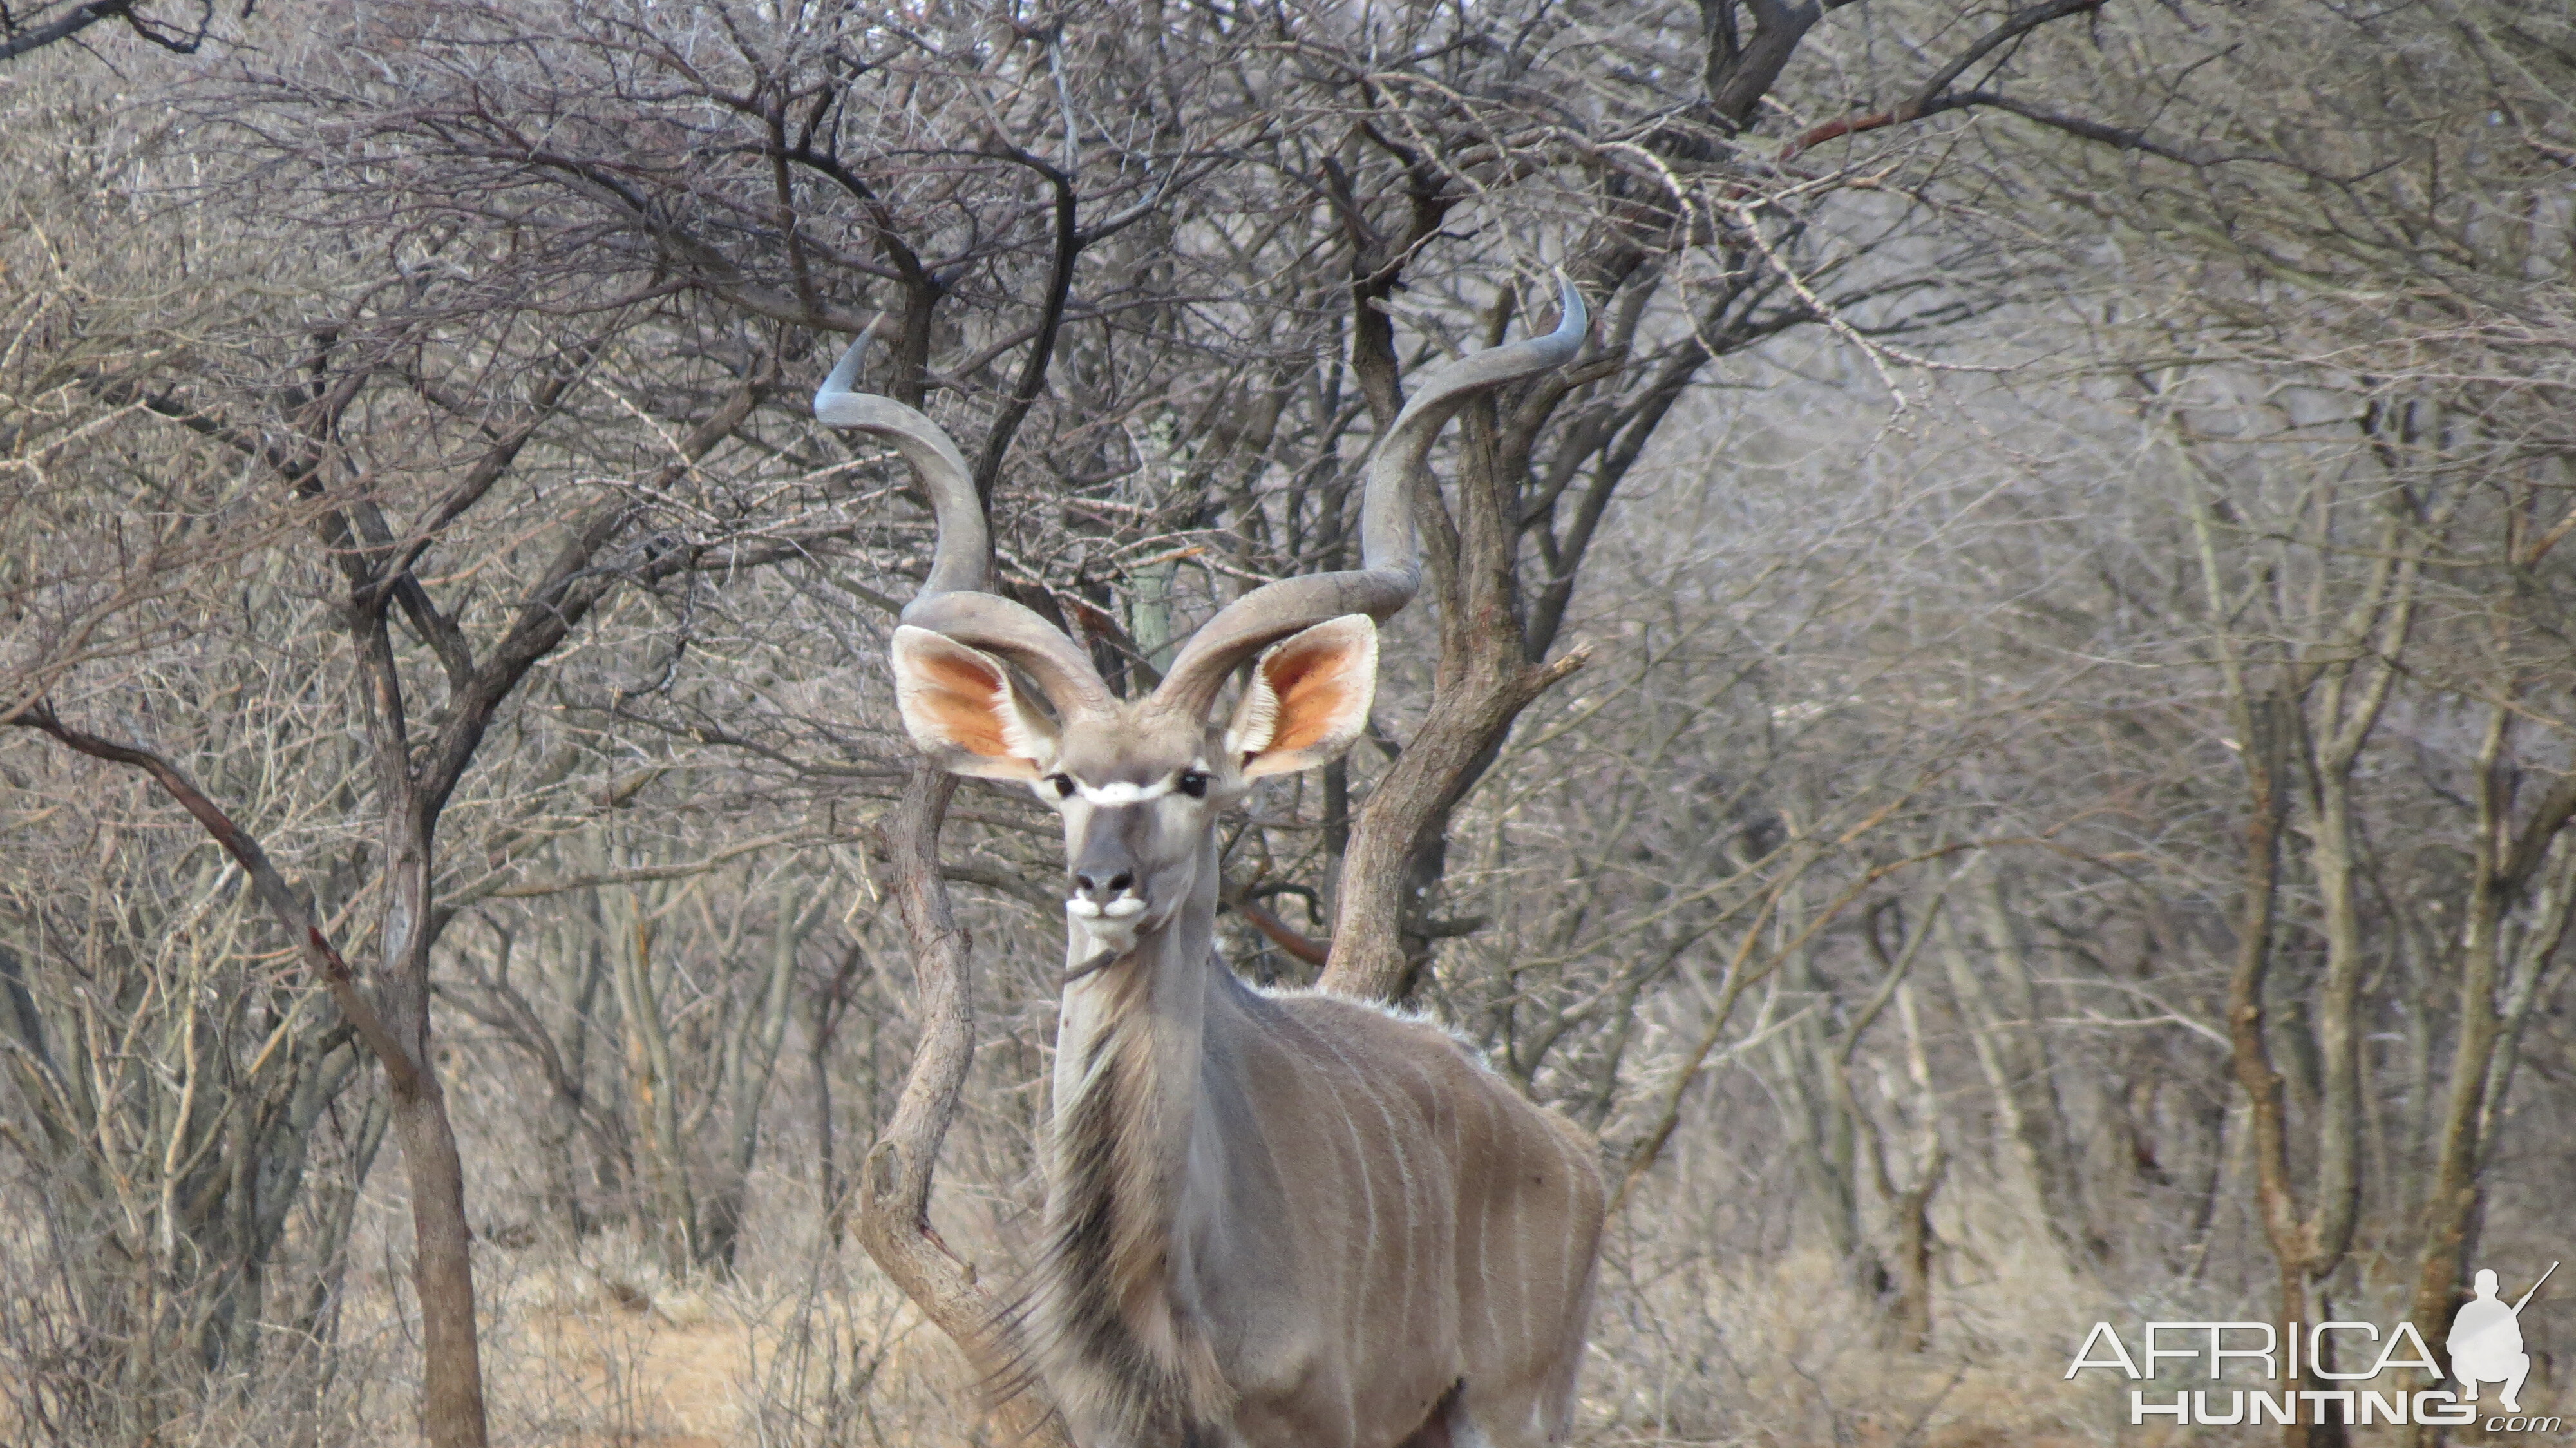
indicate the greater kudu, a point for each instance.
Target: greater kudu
{"x":1273,"y":1218}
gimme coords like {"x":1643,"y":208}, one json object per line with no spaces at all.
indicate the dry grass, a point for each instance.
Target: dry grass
{"x":594,"y":1344}
{"x":1774,"y":1357}
{"x":598,"y":1345}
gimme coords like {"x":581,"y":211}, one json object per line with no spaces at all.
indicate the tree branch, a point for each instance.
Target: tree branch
{"x":1280,"y":933}
{"x":66,"y":25}
{"x":895,"y":1179}
{"x":1068,"y":247}
{"x":320,"y":955}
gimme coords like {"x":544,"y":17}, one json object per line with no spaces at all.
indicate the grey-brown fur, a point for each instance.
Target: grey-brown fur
{"x":1271,"y":1220}
{"x":1394,"y":1189}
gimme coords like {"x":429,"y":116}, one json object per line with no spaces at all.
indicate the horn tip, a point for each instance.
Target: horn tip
{"x":1577,"y":319}
{"x":844,"y":374}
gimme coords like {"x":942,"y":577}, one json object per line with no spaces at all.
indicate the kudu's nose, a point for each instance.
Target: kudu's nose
{"x":1104,"y":883}
{"x":1091,"y":886}
{"x":1105,"y":893}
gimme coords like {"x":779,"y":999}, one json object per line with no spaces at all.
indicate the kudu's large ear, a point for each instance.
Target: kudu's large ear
{"x":1309,"y":698}
{"x":960,"y":706}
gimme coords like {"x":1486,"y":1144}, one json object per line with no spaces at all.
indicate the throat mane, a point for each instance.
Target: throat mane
{"x":1112,"y":1327}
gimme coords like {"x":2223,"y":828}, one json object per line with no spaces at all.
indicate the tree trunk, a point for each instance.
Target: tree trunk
{"x":442,"y":1271}
{"x":2264,"y":725}
{"x":2038,"y":1115}
{"x":895,"y":1180}
{"x":452,"y":1412}
{"x":1910,"y":1313}
{"x":2453,"y":1201}
{"x":827,"y":1010}
{"x":396,"y":1031}
{"x":751,"y":1064}
{"x":2022,"y":1143}
{"x":1473,"y":704}
{"x":669,"y":1206}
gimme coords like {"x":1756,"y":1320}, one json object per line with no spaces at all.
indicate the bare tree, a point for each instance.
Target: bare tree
{"x":1997,"y":730}
{"x":50,"y":22}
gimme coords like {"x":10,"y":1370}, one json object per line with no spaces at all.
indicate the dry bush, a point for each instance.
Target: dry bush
{"x":1876,"y":891}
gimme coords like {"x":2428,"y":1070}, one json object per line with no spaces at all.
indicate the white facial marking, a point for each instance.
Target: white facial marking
{"x":1122,"y":792}
{"x":1084,"y":908}
{"x":1121,"y":908}
{"x":1096,"y":932}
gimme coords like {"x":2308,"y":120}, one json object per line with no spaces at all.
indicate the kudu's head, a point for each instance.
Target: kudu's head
{"x":1139,"y":783}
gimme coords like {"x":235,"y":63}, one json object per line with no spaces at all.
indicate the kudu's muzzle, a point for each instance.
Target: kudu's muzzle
{"x":1106,"y":881}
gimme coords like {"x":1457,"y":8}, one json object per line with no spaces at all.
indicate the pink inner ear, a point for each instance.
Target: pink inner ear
{"x":959,"y":695}
{"x":1313,"y":683}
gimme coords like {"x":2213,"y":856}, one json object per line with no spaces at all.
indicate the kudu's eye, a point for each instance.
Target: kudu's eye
{"x":1063,"y":785}
{"x":1194,"y":783}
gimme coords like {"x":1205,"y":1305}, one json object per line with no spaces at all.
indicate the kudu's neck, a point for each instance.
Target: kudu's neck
{"x":1131,"y":1067}
{"x":1137,"y":1027}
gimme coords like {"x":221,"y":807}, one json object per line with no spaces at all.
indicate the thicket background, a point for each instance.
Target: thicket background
{"x":2061,"y":815}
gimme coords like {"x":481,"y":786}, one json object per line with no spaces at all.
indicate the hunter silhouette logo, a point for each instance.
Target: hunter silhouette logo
{"x":2486,"y":1341}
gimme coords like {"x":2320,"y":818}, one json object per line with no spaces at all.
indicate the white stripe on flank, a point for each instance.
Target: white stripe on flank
{"x":1484,"y":1233}
{"x":1368,"y":1186}
{"x":1403,"y":1178}
{"x":1573,"y":1170}
{"x":1522,"y":1286}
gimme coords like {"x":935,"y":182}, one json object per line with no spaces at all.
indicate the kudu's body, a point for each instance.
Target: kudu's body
{"x":1273,"y":1219}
